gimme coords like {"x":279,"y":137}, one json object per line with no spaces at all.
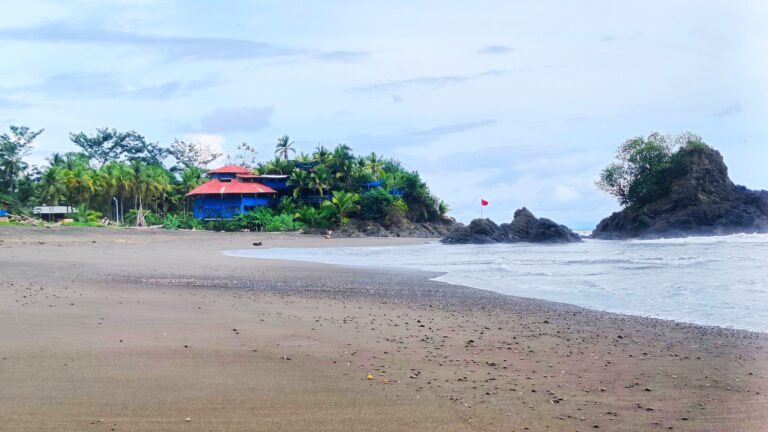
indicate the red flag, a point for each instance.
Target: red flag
{"x":483,"y":202}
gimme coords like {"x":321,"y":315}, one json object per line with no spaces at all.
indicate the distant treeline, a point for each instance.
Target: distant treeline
{"x":119,"y":174}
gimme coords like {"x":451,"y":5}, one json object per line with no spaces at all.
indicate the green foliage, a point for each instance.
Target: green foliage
{"x":443,"y":208}
{"x":375,"y":204}
{"x":172,"y":222}
{"x":112,"y":145}
{"x":149,"y":217}
{"x":643,"y":167}
{"x":187,"y":221}
{"x":287,"y":205}
{"x":254,"y":220}
{"x":300,"y":180}
{"x":283,"y":222}
{"x":422,"y":206}
{"x":13,"y":148}
{"x":284,"y":147}
{"x":120,"y":173}
{"x":85,"y":224}
{"x":321,"y":179}
{"x":264,"y":219}
{"x":85,"y":215}
{"x":343,"y":203}
{"x":315,"y":217}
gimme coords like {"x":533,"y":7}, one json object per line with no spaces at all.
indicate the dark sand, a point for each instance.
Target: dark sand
{"x":105,"y":329}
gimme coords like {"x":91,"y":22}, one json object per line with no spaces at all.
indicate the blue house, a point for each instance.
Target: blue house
{"x":278,"y":182}
{"x":231,"y":190}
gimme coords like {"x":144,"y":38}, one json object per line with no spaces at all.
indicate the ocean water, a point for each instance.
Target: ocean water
{"x":720,"y":281}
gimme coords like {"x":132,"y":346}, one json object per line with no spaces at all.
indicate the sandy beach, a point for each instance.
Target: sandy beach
{"x":151,"y":330}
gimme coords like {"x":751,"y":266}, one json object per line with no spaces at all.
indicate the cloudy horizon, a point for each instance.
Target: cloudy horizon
{"x":519,"y":104}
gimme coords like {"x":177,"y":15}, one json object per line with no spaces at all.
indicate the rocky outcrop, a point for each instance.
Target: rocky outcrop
{"x":478,"y":231}
{"x":525,"y":227}
{"x":364,"y":228}
{"x":701,"y":200}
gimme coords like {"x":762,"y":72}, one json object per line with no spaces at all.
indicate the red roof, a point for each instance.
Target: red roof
{"x":230,"y":169}
{"x":216,"y":187}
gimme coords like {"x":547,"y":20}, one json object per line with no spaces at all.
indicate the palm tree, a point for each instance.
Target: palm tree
{"x":51,"y":188}
{"x":322,"y":155}
{"x":346,"y":169}
{"x":191,"y":178}
{"x":284,"y":146}
{"x":81,"y":183}
{"x":139,"y":189}
{"x":344,"y":203}
{"x":303,"y":158}
{"x":55,"y":160}
{"x":278,"y":166}
{"x":321,"y":179}
{"x":442,"y":209}
{"x":375,"y":165}
{"x":124,"y":180}
{"x":72,"y":160}
{"x":158,"y":186}
{"x":300,"y":180}
{"x":342,"y":152}
{"x":260,"y":168}
{"x":119,"y":179}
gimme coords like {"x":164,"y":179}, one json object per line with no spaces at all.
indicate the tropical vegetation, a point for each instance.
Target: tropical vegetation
{"x":644,"y":167}
{"x":125,"y":178}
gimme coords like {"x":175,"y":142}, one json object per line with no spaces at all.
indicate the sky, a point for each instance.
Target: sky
{"x":519,"y":103}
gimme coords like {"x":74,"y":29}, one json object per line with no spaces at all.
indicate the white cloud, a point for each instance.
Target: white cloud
{"x":566,"y":194}
{"x":536,"y":135}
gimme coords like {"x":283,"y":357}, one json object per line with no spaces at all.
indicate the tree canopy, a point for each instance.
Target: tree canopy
{"x":641,"y":171}
{"x":126,"y":177}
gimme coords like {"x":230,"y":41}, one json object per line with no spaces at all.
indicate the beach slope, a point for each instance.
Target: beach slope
{"x":118,"y":329}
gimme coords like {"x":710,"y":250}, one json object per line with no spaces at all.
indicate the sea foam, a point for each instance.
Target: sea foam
{"x":721,"y":281}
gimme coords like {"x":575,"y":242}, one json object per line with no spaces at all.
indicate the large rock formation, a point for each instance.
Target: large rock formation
{"x":525,"y":227}
{"x":701,"y":200}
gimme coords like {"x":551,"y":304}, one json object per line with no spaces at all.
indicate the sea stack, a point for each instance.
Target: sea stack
{"x":701,"y":200}
{"x":525,"y":227}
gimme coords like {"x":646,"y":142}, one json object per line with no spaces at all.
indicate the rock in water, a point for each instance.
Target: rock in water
{"x":701,"y":200}
{"x":547,"y":231}
{"x":478,"y":231}
{"x":525,"y":227}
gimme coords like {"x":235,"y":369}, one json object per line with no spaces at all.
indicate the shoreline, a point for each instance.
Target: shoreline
{"x":141,"y":331}
{"x":436,"y":275}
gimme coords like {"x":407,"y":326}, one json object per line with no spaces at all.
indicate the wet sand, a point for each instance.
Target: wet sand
{"x":107,"y":329}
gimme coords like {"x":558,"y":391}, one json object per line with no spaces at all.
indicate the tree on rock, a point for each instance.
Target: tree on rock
{"x":639,"y":174}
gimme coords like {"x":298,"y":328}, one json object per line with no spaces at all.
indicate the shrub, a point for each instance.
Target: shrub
{"x":254,"y":220}
{"x":172,"y":222}
{"x":375,"y":204}
{"x":283,"y":222}
{"x":264,"y":219}
{"x":314,"y":217}
{"x":188,"y":221}
{"x":397,"y":212}
{"x":86,"y":216}
{"x":149,"y":217}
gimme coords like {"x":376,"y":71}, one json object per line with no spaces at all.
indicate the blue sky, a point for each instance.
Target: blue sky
{"x":520,"y":103}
